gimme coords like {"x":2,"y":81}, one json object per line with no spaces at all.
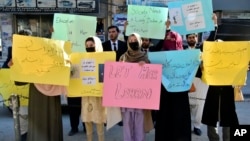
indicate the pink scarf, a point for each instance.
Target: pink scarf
{"x":173,"y":41}
{"x":51,"y":90}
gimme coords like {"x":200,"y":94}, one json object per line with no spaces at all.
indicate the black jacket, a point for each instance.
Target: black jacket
{"x":122,"y":48}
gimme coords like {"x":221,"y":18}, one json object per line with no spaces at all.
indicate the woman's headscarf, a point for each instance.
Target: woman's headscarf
{"x":173,"y":41}
{"x":135,"y":56}
{"x":98,"y":44}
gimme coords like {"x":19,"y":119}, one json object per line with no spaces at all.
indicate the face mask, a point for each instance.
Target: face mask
{"x":90,"y":49}
{"x":134,"y":46}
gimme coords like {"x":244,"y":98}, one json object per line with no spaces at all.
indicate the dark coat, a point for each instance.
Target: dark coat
{"x":173,"y":120}
{"x":122,"y":48}
{"x":220,"y":103}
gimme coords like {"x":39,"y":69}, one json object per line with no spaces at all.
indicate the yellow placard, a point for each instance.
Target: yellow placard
{"x":7,"y":88}
{"x":87,"y":73}
{"x":40,"y":60}
{"x":225,"y":63}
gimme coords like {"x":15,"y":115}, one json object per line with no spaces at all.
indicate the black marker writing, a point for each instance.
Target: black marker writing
{"x":132,"y":93}
{"x":147,"y":73}
{"x":119,"y":71}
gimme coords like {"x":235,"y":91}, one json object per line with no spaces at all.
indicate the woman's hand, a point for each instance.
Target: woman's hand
{"x":141,"y":63}
{"x":10,"y":63}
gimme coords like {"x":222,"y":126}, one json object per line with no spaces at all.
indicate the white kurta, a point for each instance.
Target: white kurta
{"x":197,"y":100}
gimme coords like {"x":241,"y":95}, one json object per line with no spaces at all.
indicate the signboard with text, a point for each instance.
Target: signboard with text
{"x":49,"y":6}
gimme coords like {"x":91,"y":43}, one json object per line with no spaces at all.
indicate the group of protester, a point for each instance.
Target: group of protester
{"x":173,"y":119}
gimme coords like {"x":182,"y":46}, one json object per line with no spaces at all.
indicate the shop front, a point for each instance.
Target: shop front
{"x":37,"y":17}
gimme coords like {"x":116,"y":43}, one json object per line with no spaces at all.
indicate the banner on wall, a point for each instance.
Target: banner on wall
{"x":40,"y":60}
{"x":49,"y":6}
{"x":74,"y":28}
{"x":87,"y":73}
{"x":6,"y":32}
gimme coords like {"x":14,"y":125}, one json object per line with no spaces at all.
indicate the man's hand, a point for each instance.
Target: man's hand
{"x":125,"y":25}
{"x":214,"y":18}
{"x":168,"y":23}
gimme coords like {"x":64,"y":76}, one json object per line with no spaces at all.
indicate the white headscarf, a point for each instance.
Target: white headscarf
{"x":98,"y":44}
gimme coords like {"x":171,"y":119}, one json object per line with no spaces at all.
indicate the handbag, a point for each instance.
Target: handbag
{"x":238,"y":95}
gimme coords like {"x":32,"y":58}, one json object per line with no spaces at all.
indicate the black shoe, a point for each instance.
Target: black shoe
{"x":120,"y":123}
{"x":84,"y":127}
{"x":197,"y":131}
{"x":24,"y":137}
{"x":72,"y":132}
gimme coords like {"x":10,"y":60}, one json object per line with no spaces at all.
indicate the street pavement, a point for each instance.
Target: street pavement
{"x":115,"y":133}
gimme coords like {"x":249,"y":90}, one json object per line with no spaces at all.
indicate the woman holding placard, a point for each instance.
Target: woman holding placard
{"x":92,"y":109}
{"x":134,"y":120}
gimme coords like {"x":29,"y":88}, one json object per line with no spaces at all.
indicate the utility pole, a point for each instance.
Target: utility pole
{"x":15,"y":101}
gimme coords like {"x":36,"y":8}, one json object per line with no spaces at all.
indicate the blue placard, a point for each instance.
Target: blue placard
{"x":191,"y":16}
{"x":179,"y":68}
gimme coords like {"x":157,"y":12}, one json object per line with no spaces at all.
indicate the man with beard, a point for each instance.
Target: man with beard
{"x":147,"y":45}
{"x":197,"y":97}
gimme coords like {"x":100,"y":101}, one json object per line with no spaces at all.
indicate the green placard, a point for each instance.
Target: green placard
{"x":147,"y":21}
{"x":74,"y":28}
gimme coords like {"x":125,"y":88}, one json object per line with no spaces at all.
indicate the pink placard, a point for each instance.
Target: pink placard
{"x":131,"y":85}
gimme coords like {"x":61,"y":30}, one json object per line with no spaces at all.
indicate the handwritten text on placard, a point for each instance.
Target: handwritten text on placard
{"x":88,"y":65}
{"x":225,"y":63}
{"x":89,"y":80}
{"x":74,"y":28}
{"x":191,"y":16}
{"x":39,"y":60}
{"x":179,"y":68}
{"x":131,"y":85}
{"x":87,"y":73}
{"x":147,"y":21}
